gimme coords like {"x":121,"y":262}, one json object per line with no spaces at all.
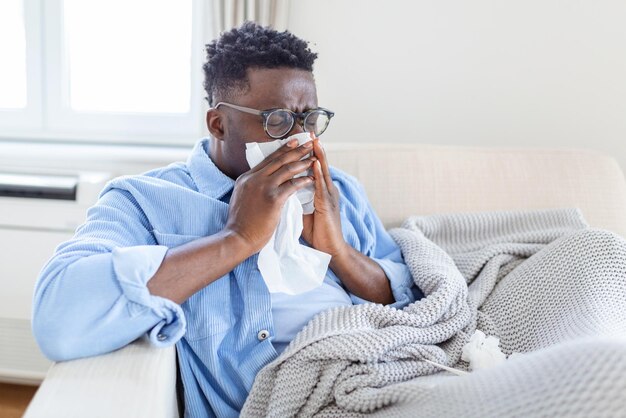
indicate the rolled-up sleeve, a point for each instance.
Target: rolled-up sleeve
{"x":133,"y":267}
{"x":92,"y":297}
{"x":388,"y":256}
{"x":400,"y":281}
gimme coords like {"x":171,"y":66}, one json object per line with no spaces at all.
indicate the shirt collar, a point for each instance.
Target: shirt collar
{"x":209,"y":179}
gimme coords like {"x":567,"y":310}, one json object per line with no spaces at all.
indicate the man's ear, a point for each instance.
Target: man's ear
{"x":215,"y":123}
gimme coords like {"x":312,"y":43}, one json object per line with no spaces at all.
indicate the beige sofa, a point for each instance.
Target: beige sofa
{"x":401,"y":180}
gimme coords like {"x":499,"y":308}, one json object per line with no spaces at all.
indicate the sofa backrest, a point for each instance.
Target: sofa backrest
{"x":415,"y":179}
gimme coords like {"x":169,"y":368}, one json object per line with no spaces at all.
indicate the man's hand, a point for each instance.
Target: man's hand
{"x":322,"y":229}
{"x":253,"y":215}
{"x":260,"y":193}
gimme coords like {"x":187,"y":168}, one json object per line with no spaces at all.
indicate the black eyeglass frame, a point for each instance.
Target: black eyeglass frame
{"x":294,"y":116}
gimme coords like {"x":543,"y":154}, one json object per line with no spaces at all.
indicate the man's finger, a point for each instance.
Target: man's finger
{"x":290,"y":170}
{"x":293,"y":185}
{"x":287,"y":157}
{"x":320,"y":184}
{"x":285,"y":148}
{"x":321,"y":155}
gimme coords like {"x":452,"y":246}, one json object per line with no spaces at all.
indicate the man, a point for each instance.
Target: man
{"x":173,"y":252}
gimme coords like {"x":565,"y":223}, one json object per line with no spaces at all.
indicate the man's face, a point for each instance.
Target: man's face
{"x":283,"y":88}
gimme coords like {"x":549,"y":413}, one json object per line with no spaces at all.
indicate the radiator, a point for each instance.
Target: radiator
{"x":38,"y":211}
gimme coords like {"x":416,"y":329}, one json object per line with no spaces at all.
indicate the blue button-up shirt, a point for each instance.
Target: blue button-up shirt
{"x":91,"y":297}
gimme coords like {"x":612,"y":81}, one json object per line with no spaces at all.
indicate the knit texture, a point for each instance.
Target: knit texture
{"x":542,"y":281}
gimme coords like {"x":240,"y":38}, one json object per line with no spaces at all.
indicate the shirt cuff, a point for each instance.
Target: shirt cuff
{"x":134,"y":267}
{"x":402,"y":286}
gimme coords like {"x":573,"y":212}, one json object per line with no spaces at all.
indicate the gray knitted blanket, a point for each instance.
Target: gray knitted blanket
{"x":541,"y":281}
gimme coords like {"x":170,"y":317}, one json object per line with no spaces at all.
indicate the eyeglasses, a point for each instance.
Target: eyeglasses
{"x":279,"y":122}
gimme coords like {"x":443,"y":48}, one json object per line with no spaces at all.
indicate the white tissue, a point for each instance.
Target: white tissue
{"x":286,"y":265}
{"x":482,"y":352}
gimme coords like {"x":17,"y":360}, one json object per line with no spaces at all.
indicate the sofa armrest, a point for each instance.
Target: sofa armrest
{"x":138,"y":380}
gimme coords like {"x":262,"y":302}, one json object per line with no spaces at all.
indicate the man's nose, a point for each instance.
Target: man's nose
{"x":297,"y":128}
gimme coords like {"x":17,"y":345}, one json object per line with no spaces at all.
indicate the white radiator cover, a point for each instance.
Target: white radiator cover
{"x":20,"y":359}
{"x":30,"y":230}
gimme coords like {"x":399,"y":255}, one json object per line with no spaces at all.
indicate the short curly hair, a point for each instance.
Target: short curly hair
{"x":250,"y":46}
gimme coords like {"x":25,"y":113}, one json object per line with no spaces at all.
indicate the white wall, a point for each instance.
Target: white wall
{"x":481,"y":72}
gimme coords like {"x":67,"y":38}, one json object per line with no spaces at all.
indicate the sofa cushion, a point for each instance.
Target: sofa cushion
{"x":415,"y":179}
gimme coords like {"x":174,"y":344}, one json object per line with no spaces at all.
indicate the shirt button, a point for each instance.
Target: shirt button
{"x":161,"y":337}
{"x":263,"y":334}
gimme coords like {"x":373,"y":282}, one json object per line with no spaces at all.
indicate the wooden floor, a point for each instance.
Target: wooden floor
{"x":14,"y":399}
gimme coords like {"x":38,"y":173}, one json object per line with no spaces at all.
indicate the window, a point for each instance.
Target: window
{"x":13,"y":47}
{"x":20,"y":66}
{"x":134,"y":68}
{"x":114,"y":71}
